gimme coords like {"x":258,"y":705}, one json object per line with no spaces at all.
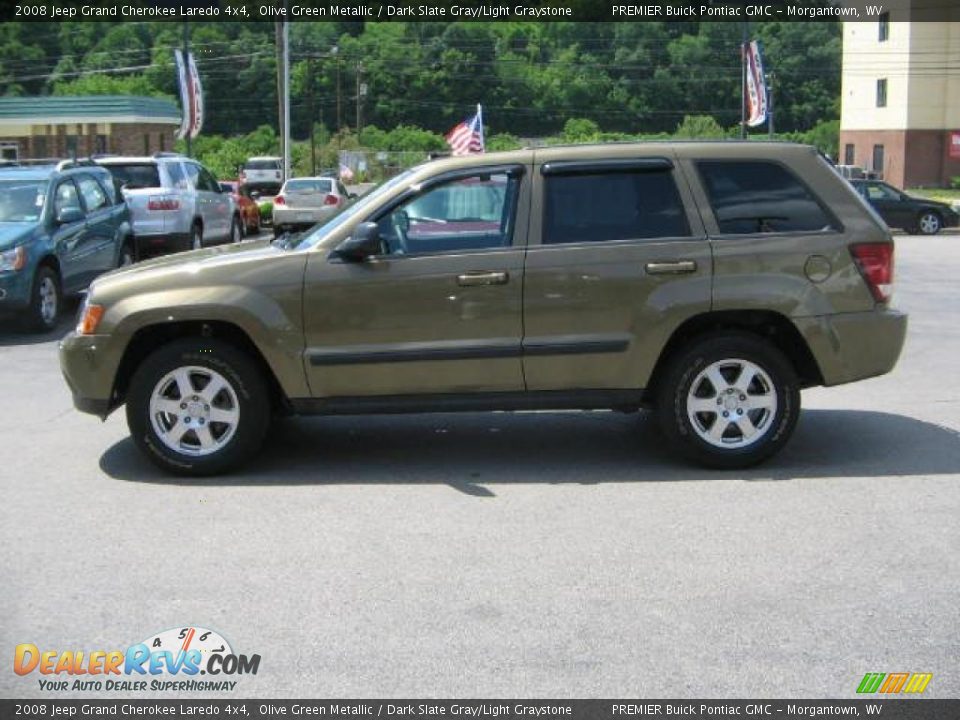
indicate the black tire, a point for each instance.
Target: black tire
{"x":246,"y":382}
{"x":236,"y":230}
{"x":929,"y":223}
{"x":775,"y":427}
{"x":195,"y":241}
{"x":39,"y":317}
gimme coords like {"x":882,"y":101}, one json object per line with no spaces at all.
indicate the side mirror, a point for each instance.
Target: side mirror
{"x":364,"y":243}
{"x":68,"y":215}
{"x":351,"y":196}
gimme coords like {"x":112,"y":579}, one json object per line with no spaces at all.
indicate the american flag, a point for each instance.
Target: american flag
{"x":467,"y":137}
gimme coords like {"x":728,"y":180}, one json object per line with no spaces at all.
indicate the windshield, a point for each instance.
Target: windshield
{"x":262,"y":165}
{"x":319,"y":232}
{"x":131,"y":177}
{"x":21,"y":200}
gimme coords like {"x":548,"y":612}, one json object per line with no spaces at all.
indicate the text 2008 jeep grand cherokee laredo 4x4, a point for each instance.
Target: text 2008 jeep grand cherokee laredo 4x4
{"x":711,"y":281}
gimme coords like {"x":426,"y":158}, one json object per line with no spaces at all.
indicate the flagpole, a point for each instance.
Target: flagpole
{"x":483,"y":142}
{"x":743,"y":84}
{"x":186,"y":60}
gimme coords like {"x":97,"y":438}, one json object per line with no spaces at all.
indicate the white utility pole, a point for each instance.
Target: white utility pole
{"x":286,"y":98}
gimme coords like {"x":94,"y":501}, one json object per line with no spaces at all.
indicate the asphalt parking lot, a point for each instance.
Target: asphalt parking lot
{"x":510,"y":555}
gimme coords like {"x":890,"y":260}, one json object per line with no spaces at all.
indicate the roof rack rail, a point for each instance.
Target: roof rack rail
{"x":167,"y":154}
{"x":75,"y":162}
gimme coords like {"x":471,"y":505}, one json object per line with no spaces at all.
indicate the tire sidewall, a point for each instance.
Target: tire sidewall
{"x":935,"y":217}
{"x":672,"y":405}
{"x":196,"y":237}
{"x":35,"y":319}
{"x":236,"y":368}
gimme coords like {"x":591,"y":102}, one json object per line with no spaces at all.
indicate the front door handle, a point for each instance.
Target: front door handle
{"x":483,"y":278}
{"x":673,"y":267}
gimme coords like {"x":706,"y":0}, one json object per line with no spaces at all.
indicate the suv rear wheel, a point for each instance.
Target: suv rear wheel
{"x":198,"y":406}
{"x":236,"y":230}
{"x":729,"y":401}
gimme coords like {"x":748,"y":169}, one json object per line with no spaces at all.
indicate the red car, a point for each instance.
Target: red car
{"x":249,"y":210}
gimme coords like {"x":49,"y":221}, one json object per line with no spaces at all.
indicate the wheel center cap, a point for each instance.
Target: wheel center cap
{"x":196,"y":410}
{"x":731,"y":403}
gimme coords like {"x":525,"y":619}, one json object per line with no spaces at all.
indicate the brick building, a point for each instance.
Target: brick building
{"x":900,"y":115}
{"x":61,"y":126}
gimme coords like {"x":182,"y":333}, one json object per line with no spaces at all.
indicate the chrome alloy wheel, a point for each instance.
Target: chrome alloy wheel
{"x":731,"y":404}
{"x":929,"y":224}
{"x":194,"y":410}
{"x":48,"y":300}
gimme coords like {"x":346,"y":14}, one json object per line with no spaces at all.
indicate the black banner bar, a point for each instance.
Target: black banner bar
{"x":480,"y":10}
{"x":886,"y":709}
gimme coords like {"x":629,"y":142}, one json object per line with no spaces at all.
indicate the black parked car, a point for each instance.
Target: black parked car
{"x":899,"y":210}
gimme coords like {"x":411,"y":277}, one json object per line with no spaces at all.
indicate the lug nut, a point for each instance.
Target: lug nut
{"x":726,"y":414}
{"x":200,"y":421}
{"x":183,"y":406}
{"x":743,"y":397}
{"x":207,"y":408}
{"x":739,"y":412}
{"x":186,"y":421}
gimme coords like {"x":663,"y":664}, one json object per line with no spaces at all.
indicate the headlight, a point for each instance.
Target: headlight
{"x":89,"y":317}
{"x":13,"y":259}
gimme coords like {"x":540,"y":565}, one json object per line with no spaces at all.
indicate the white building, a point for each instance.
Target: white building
{"x":900,"y":112}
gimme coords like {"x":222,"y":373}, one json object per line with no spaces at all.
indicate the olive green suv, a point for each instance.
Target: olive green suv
{"x":710,"y":282}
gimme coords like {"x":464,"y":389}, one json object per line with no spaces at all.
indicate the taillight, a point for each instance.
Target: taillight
{"x":330,"y":200}
{"x":278,"y":200}
{"x":160,"y":202}
{"x":875,"y":263}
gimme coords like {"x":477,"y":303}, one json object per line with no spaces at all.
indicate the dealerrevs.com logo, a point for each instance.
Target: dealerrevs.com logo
{"x":172,"y":660}
{"x":894,"y":683}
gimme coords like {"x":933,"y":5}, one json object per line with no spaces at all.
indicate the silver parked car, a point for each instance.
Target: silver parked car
{"x":304,"y":202}
{"x":175,"y":203}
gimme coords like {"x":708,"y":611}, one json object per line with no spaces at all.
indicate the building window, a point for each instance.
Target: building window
{"x":9,"y":151}
{"x":884,"y":27}
{"x":849,"y":154}
{"x":882,"y":92}
{"x":878,"y":160}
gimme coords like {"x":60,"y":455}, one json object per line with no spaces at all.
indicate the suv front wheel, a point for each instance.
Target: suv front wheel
{"x":198,"y":407}
{"x":729,"y":401}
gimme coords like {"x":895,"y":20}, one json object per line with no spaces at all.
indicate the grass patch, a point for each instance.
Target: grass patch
{"x":942,"y":195}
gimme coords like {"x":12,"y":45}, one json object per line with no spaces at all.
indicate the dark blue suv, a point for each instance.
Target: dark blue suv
{"x":60,"y":227}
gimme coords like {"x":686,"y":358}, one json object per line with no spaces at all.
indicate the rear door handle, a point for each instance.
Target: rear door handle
{"x":483,"y":278}
{"x":673,"y":267}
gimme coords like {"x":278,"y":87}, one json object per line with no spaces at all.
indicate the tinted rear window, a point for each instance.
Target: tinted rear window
{"x":318,"y":186}
{"x":757,"y":197}
{"x":262,"y":165}
{"x":135,"y":175}
{"x":612,"y":206}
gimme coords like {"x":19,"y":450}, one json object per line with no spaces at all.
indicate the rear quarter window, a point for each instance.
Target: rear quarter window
{"x":756,"y":196}
{"x":135,"y":175}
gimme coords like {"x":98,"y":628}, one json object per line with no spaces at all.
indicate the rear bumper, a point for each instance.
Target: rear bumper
{"x":174,"y":242}
{"x":854,"y":346}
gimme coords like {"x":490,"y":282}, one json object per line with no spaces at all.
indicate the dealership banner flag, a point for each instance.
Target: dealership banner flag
{"x":467,"y":137}
{"x":756,"y":85}
{"x":191,"y":94}
{"x":184,"y":93}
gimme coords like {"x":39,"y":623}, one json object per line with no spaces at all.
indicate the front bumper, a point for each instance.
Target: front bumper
{"x":89,"y":365}
{"x":15,"y":288}
{"x":855,"y":346}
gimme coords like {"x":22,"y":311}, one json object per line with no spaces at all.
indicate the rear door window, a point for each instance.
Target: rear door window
{"x":178,"y":178}
{"x":612,"y":205}
{"x":755,"y":196}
